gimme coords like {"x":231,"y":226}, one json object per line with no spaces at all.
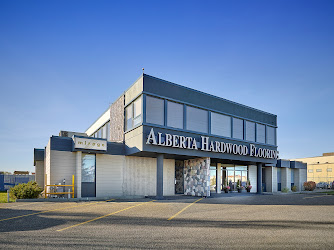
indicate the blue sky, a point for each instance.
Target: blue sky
{"x":63,"y":62}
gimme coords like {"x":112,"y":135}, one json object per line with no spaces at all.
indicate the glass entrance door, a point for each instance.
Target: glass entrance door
{"x":213,"y":178}
{"x":233,"y":174}
{"x":88,"y":187}
{"x":230,"y":178}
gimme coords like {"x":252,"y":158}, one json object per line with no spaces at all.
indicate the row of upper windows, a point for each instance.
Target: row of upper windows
{"x":196,"y":120}
{"x":103,"y":132}
{"x":319,"y":170}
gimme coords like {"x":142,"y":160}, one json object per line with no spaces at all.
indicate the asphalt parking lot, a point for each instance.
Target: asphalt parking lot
{"x":297,"y":221}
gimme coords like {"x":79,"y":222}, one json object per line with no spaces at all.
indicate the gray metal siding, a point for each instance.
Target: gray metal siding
{"x":177,"y":92}
{"x":66,"y":144}
{"x":147,"y":148}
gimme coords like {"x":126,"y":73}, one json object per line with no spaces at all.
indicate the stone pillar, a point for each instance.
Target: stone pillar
{"x":219,"y":178}
{"x":259,"y":178}
{"x":77,"y":184}
{"x":160,"y":177}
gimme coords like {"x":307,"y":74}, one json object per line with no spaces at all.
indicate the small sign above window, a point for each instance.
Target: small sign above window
{"x":87,"y":143}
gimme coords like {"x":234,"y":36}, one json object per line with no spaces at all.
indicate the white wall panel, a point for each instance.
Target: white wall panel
{"x":134,"y":91}
{"x":286,"y":178}
{"x":140,"y":173}
{"x":169,"y":177}
{"x":274,"y":184}
{"x":252,"y":172}
{"x":109,"y":175}
{"x":63,"y":166}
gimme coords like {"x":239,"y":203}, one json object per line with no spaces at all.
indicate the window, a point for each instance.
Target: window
{"x":133,"y":114}
{"x":220,"y":124}
{"x":174,"y":115}
{"x":104,"y":132}
{"x":250,"y":131}
{"x":310,"y":170}
{"x":271,"y":135}
{"x":260,"y":133}
{"x":238,"y":128}
{"x":137,"y":110}
{"x":197,"y":119}
{"x":155,"y":110}
{"x":329,"y":170}
{"x":319,"y":170}
{"x":128,"y":117}
{"x":88,"y":168}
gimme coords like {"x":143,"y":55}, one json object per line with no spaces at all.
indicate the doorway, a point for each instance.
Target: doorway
{"x":88,"y":175}
{"x":231,"y":176}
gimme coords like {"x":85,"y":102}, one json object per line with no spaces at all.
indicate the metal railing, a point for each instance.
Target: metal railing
{"x":46,"y":193}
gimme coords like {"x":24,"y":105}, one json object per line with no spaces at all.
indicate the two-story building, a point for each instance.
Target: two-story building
{"x":159,"y":138}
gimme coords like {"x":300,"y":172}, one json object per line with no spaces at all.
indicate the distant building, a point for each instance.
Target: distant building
{"x":319,"y":168}
{"x":21,"y":172}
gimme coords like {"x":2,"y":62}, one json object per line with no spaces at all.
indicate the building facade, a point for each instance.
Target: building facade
{"x":161,"y":138}
{"x":320,"y":168}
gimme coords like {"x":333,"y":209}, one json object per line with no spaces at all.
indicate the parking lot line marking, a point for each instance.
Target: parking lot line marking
{"x":184,"y":209}
{"x":42,"y":212}
{"x":315,"y":196}
{"x":22,"y":205}
{"x":103,"y":216}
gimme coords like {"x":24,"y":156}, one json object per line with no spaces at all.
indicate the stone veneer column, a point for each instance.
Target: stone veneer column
{"x":219,"y":178}
{"x":197,"y":177}
{"x":77,"y":184}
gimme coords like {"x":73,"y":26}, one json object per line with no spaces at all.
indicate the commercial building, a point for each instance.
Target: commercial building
{"x":161,"y":138}
{"x":320,"y":168}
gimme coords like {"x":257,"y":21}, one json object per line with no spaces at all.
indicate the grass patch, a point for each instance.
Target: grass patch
{"x":3,"y":197}
{"x":328,"y":192}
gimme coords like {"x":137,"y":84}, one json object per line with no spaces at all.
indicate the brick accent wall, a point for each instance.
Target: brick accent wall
{"x":117,"y":120}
